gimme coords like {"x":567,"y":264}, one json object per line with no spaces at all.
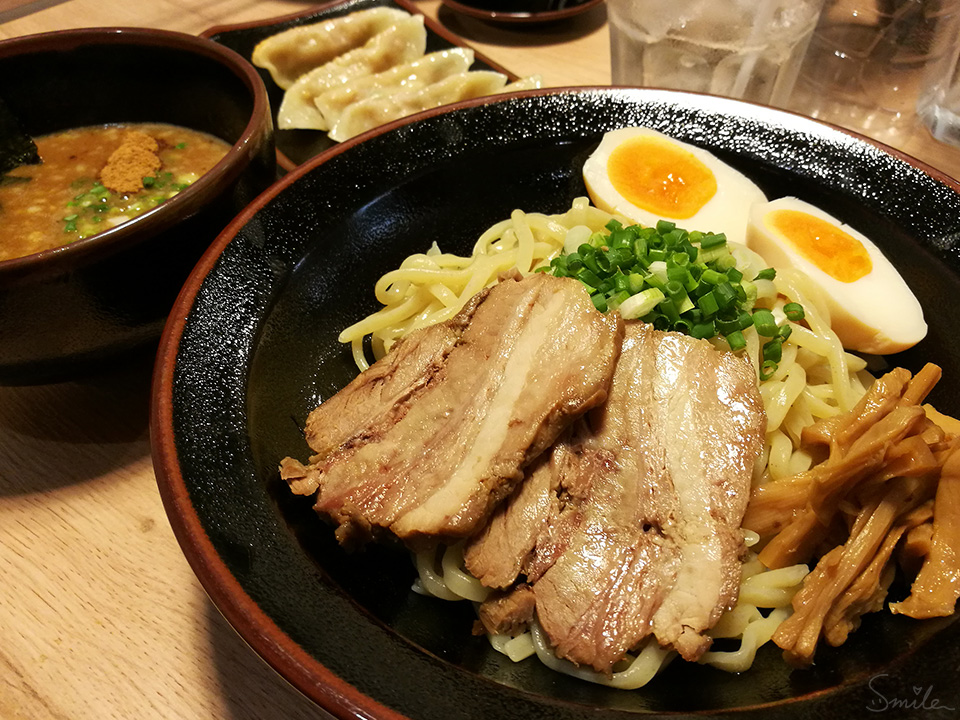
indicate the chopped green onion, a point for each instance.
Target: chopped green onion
{"x":621,"y":256}
{"x":726,"y":261}
{"x":766,"y":274}
{"x":670,"y":311}
{"x":711,"y":240}
{"x":744,"y":319}
{"x":793,"y":311}
{"x":703,"y":330}
{"x":639,"y":305}
{"x":590,"y":262}
{"x":726,"y":326}
{"x":713,"y":255}
{"x":676,"y":280}
{"x":736,"y":340}
{"x":773,"y":350}
{"x":708,"y":304}
{"x":725,"y":294}
{"x":677,"y":273}
{"x":616,"y":301}
{"x":767,"y":369}
{"x":589,"y":278}
{"x":712,"y":276}
{"x":653,"y":280}
{"x":676,"y":292}
{"x":765,"y":323}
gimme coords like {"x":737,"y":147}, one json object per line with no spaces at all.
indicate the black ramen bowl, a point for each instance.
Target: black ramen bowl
{"x":68,"y":311}
{"x":252,"y":347}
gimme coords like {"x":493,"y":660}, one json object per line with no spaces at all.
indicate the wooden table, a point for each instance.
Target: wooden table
{"x":100,"y":615}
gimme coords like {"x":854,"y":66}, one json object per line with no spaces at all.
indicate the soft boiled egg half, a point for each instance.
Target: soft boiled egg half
{"x":647,"y":176}
{"x":871,"y":308}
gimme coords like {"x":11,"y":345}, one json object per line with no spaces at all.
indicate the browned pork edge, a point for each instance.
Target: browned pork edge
{"x":631,"y":526}
{"x":431,"y":455}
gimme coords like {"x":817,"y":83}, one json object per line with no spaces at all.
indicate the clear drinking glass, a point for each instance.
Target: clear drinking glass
{"x":745,"y":49}
{"x":939,"y":103}
{"x":869,"y":60}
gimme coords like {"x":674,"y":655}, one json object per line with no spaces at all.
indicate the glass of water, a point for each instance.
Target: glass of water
{"x":939,"y":102}
{"x":873,"y":64}
{"x":745,"y":49}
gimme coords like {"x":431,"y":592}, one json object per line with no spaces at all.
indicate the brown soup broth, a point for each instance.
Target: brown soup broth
{"x":62,"y":200}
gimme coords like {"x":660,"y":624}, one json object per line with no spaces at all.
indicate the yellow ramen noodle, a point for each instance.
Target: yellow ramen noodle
{"x":431,"y":287}
{"x":764,"y":602}
{"x":815,"y":379}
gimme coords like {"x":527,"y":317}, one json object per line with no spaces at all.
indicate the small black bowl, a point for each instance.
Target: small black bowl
{"x":70,"y":310}
{"x":529,"y":12}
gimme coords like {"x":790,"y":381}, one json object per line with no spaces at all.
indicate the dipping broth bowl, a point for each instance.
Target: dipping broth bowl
{"x":78,"y":308}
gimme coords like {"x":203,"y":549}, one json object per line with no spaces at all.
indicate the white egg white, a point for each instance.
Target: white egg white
{"x":727,"y":211}
{"x":876,"y":314}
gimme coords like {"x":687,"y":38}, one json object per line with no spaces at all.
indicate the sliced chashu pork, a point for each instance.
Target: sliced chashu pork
{"x":386,"y":386}
{"x":446,"y":445}
{"x":527,"y":533}
{"x":640,"y":532}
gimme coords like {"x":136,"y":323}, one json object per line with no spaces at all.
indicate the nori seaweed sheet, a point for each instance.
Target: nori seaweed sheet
{"x":16,"y":147}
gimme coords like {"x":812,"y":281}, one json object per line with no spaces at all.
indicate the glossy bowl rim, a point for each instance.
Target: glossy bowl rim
{"x":258,"y":630}
{"x":184,"y":204}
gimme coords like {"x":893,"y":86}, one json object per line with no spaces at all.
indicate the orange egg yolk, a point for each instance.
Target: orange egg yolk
{"x":658,"y":176}
{"x":837,"y":253}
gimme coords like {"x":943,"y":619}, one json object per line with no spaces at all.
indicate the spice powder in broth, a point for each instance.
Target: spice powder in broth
{"x":63,"y":199}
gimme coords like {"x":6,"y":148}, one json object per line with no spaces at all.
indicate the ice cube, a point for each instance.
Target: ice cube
{"x":749,"y":77}
{"x":678,"y":66}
